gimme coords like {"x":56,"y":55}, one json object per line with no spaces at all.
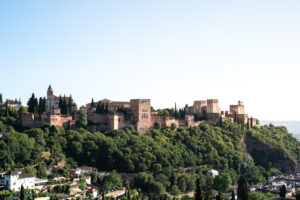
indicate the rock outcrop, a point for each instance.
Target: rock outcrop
{"x":263,"y":154}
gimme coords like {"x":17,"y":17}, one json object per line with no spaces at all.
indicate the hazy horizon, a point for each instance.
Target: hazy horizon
{"x":168,"y":51}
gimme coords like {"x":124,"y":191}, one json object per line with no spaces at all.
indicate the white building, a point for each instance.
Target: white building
{"x":13,"y":180}
{"x":52,"y":101}
{"x":11,"y":104}
{"x":213,"y":173}
{"x":82,"y":170}
{"x":278,"y":183}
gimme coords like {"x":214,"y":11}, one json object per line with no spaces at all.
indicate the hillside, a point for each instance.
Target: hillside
{"x":217,"y":146}
{"x":264,"y":154}
{"x":292,"y":126}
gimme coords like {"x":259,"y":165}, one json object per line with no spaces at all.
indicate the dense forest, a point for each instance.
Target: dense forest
{"x":172,"y":154}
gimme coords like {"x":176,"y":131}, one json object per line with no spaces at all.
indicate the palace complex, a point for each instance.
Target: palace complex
{"x":137,"y":112}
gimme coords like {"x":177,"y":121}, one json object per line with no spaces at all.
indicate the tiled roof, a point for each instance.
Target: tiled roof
{"x":25,"y":176}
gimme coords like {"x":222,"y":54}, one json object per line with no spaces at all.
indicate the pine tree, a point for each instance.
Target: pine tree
{"x":22,"y":194}
{"x":199,"y":192}
{"x":243,"y":189}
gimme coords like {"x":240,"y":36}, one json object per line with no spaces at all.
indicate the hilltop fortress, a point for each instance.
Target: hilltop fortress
{"x":136,"y":112}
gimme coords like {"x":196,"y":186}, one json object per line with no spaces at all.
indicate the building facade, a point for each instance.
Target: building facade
{"x":13,"y":180}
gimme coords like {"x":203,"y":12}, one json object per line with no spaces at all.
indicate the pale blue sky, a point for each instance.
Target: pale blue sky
{"x":169,"y":51}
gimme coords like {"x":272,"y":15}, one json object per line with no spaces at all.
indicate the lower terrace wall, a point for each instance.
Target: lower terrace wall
{"x":164,"y":121}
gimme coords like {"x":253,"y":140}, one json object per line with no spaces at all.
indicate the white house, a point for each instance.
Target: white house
{"x":13,"y":180}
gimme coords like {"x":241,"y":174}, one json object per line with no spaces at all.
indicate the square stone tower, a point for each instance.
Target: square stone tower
{"x":141,"y":114}
{"x":213,"y":110}
{"x":237,"y":109}
{"x":199,"y":107}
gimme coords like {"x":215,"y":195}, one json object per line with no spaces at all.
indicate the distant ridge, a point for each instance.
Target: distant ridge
{"x":292,"y":126}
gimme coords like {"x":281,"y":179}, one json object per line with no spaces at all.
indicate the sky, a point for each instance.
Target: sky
{"x":166,"y":50}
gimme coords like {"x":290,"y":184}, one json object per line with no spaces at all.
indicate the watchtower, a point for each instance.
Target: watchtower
{"x":141,"y":114}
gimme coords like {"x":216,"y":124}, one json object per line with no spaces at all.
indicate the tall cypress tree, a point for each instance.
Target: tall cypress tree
{"x":82,"y":118}
{"x":176,"y":112}
{"x":36,"y":106}
{"x":33,"y":194}
{"x":106,"y":108}
{"x":208,"y":190}
{"x":6,"y":109}
{"x":22,"y":194}
{"x":243,"y":189}
{"x":128,"y":191}
{"x":92,"y":103}
{"x":64,"y":108}
{"x":70,"y":104}
{"x":1,"y":100}
{"x":103,"y":108}
{"x":32,"y":104}
{"x":232,"y":195}
{"x":44,"y":104}
{"x":283,"y":191}
{"x":199,"y":192}
{"x":173,"y":178}
{"x":221,"y":122}
{"x":98,"y":108}
{"x":40,"y":106}
{"x":60,"y":102}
